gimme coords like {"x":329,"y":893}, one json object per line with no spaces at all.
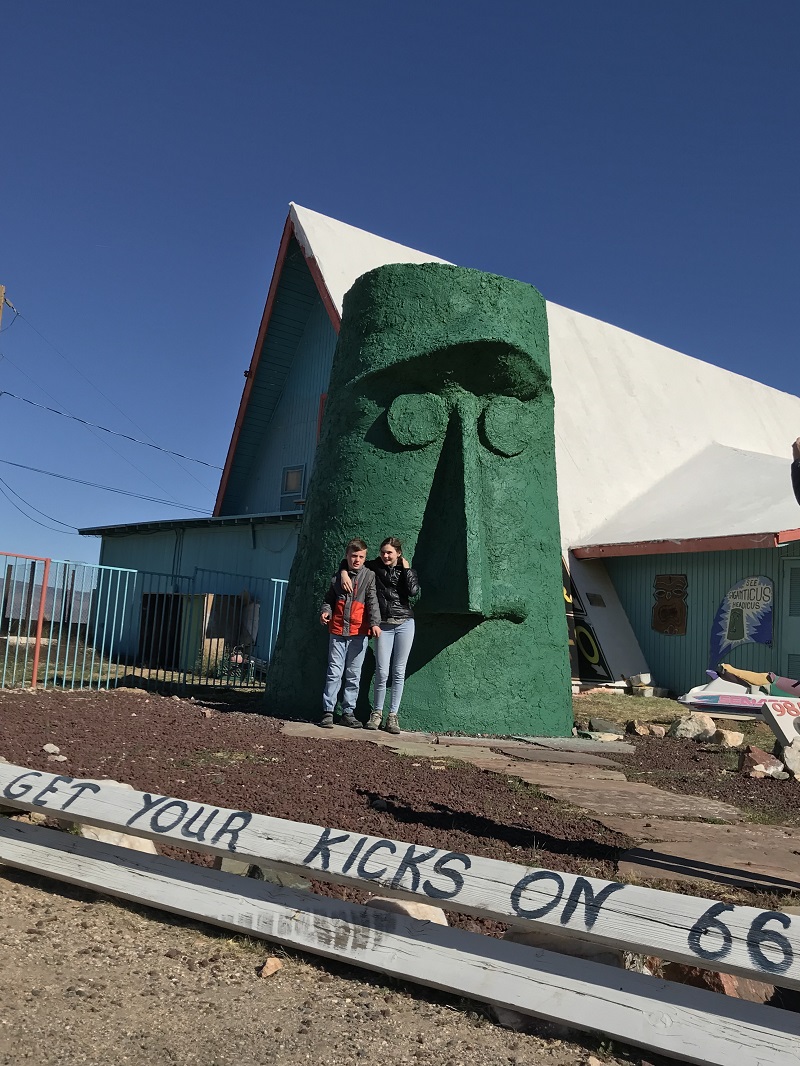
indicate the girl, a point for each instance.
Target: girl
{"x":395,"y":583}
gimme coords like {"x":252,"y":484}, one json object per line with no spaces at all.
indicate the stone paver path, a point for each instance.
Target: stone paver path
{"x":672,"y":840}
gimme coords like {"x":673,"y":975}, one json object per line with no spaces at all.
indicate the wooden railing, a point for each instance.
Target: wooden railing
{"x":676,"y":1020}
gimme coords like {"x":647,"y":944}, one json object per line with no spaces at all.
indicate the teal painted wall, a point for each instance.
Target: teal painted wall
{"x":679,"y":662}
{"x":293,"y":369}
{"x":290,"y":438}
{"x":256,"y":553}
{"x":264,"y":550}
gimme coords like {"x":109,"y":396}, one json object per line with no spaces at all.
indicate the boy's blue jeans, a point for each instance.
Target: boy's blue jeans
{"x":345,"y":658}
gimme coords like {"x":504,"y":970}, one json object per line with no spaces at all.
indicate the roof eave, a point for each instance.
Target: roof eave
{"x":676,"y":546}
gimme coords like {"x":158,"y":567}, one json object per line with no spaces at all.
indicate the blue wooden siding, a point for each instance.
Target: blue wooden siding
{"x":263,"y":550}
{"x":679,"y":663}
{"x":284,"y":350}
{"x":290,"y":438}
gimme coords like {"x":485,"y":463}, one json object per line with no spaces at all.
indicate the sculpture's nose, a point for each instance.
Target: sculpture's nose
{"x":451,"y":547}
{"x":474,"y":547}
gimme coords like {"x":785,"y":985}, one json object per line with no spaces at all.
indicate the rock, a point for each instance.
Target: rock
{"x":423,"y":912}
{"x":753,"y":758}
{"x":759,"y":773}
{"x":121,"y":840}
{"x":605,"y":737}
{"x":29,"y":817}
{"x":779,"y":775}
{"x":693,"y":727}
{"x":206,"y":713}
{"x":379,"y":804}
{"x":271,"y":966}
{"x":726,"y":983}
{"x":4,"y":760}
{"x":727,"y":738}
{"x":284,"y":878}
{"x":56,"y":758}
{"x":639,"y":729}
{"x":51,"y":749}
{"x":791,"y":757}
{"x":600,"y":725}
{"x":657,"y":731}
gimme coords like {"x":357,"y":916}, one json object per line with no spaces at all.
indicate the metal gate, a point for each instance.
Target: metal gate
{"x":77,"y":625}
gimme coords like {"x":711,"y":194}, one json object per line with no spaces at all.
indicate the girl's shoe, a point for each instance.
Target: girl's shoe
{"x":391,"y":724}
{"x":375,"y":720}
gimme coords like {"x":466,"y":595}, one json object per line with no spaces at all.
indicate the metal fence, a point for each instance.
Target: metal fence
{"x":76,"y":625}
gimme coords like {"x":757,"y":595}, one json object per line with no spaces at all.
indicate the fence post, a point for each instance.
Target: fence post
{"x":37,"y":646}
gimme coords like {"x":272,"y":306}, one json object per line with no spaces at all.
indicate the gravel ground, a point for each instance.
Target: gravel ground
{"x":86,"y":980}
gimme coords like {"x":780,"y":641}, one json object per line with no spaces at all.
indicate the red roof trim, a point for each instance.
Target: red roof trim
{"x":698,"y":544}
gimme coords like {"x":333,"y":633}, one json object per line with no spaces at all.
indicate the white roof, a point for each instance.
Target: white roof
{"x":634,"y":419}
{"x":722,"y":492}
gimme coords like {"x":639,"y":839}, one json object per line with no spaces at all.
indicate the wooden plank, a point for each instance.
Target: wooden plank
{"x":690,"y":1024}
{"x":696,"y":931}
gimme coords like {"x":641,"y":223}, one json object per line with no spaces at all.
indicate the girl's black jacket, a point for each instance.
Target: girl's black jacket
{"x":395,"y":586}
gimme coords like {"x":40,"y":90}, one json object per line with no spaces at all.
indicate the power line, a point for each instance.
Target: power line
{"x":99,"y":390}
{"x":105,"y":429}
{"x":105,"y":488}
{"x":41,"y":388}
{"x":69,"y":532}
{"x":36,"y":509}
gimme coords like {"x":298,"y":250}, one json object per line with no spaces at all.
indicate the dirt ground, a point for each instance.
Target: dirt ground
{"x":88,"y":980}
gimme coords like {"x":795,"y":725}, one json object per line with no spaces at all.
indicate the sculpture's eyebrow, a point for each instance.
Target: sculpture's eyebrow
{"x":485,"y":367}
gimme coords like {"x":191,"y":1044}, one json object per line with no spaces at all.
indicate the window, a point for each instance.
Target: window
{"x":292,"y":484}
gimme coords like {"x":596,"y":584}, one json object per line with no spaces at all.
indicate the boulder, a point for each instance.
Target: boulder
{"x":753,"y":758}
{"x":601,"y":725}
{"x":423,"y":912}
{"x":639,"y":729}
{"x":693,"y":727}
{"x":51,"y":749}
{"x":728,"y":738}
{"x":657,"y":731}
{"x":791,"y":757}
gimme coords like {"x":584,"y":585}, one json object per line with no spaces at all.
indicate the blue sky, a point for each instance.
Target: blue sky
{"x":635,"y":161}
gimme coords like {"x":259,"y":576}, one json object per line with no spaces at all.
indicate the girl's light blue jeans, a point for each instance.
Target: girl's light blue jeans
{"x":392,"y":649}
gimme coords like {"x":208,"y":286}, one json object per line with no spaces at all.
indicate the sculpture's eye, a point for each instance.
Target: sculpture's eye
{"x":509,"y":425}
{"x":417,"y":418}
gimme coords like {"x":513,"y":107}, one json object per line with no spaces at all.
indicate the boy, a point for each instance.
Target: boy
{"x":350,"y":617}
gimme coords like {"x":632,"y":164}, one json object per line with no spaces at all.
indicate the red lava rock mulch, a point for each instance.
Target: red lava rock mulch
{"x":237,"y":760}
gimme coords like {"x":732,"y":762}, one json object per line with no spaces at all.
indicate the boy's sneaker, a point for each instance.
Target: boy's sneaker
{"x":391,"y":724}
{"x":351,"y":721}
{"x":375,"y":720}
{"x":327,"y":721}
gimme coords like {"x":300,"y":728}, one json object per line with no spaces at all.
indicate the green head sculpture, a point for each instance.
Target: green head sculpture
{"x":438,"y":429}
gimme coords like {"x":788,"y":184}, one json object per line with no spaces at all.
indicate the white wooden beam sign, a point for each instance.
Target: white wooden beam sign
{"x":677,"y":1020}
{"x":700,"y":932}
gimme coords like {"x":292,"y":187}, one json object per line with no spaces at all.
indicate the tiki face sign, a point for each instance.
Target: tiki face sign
{"x":439,"y":430}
